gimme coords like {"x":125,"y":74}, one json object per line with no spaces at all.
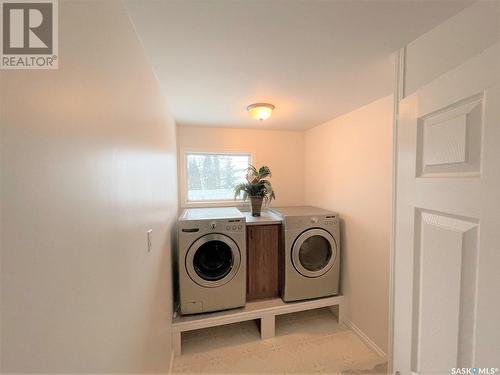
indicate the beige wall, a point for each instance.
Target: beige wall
{"x":454,"y":41}
{"x":282,"y":151}
{"x":88,"y":166}
{"x":348,"y":168}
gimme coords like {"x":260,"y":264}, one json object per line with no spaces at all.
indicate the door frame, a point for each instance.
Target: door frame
{"x":398,"y":95}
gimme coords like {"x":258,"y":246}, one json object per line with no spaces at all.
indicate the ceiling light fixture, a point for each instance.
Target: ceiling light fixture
{"x":260,"y":111}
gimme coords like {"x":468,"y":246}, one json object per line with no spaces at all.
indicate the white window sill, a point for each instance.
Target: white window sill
{"x":236,"y":203}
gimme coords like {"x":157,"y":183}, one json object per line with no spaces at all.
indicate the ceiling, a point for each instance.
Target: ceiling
{"x":314,"y":60}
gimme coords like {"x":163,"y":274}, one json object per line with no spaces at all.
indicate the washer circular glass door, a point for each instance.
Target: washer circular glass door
{"x":213,"y":260}
{"x":314,"y":252}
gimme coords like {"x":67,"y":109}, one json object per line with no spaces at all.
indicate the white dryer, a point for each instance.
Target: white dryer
{"x":311,"y":255}
{"x":211,"y":259}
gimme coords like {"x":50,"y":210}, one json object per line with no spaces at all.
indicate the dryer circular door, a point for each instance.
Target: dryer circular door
{"x":314,"y":252}
{"x":213,"y":260}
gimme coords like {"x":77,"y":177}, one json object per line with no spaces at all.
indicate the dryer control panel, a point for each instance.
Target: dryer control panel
{"x":312,"y":221}
{"x":331,"y":220}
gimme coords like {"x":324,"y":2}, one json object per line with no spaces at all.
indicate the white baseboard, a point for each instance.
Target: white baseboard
{"x":368,"y":341}
{"x":171,"y":365}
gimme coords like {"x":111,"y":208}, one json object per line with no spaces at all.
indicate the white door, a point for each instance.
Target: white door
{"x":447,"y":248}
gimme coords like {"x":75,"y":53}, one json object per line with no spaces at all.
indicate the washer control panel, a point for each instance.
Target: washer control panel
{"x":234,"y":225}
{"x":214,"y":226}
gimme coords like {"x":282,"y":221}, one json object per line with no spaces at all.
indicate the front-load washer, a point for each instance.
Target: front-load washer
{"x":311,"y":253}
{"x":211,"y":260}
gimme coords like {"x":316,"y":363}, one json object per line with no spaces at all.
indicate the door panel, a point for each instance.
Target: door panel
{"x":447,"y":222}
{"x":444,"y":265}
{"x":449,"y":140}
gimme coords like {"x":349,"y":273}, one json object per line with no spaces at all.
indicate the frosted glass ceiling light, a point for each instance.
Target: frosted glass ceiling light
{"x":260,"y":111}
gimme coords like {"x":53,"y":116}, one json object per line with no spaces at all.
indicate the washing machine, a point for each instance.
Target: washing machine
{"x":211,"y":260}
{"x":311,"y":253}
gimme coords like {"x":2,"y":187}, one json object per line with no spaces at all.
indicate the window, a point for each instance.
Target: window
{"x":212,"y":176}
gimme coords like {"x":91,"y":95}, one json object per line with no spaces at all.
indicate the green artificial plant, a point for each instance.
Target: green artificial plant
{"x":257,"y":184}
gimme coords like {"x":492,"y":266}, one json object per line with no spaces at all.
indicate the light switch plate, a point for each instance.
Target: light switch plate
{"x":150,"y":240}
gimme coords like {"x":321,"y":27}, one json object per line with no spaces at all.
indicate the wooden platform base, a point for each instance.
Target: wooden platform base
{"x":264,"y":310}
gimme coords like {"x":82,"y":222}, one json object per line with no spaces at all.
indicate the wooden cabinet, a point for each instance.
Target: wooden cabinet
{"x":263,"y":242}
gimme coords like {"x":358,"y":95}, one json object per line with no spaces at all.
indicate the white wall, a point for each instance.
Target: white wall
{"x":282,"y":151}
{"x":88,"y":166}
{"x":449,"y":44}
{"x":348,"y":169}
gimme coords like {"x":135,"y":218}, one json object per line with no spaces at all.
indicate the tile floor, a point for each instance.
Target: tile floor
{"x":305,"y":343}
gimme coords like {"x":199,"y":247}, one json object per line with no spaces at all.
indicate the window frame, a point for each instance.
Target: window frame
{"x":183,"y":183}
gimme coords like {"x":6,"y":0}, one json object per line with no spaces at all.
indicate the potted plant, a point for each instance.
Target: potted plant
{"x":257,"y":187}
